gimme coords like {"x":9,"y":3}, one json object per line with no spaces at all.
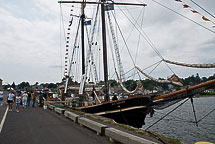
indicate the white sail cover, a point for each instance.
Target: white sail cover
{"x":139,"y":86}
{"x":191,"y":65}
{"x":171,"y":79}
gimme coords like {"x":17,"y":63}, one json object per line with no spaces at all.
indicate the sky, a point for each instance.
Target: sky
{"x":32,"y":46}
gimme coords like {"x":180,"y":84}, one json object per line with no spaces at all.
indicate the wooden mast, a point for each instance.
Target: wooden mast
{"x":82,"y":37}
{"x":106,"y":88}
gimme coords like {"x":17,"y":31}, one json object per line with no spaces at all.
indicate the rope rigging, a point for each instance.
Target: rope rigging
{"x":167,"y":114}
{"x":183,"y":16}
{"x":172,"y":79}
{"x":191,"y":65}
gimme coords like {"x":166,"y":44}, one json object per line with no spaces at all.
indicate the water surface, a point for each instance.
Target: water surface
{"x":180,"y":123}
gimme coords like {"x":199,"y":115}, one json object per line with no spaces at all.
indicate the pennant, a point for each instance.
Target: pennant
{"x":194,"y":11}
{"x":204,"y":18}
{"x":185,"y":6}
{"x":87,"y":22}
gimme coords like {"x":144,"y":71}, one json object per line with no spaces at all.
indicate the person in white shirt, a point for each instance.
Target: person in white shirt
{"x":10,"y":99}
{"x":18,"y":101}
{"x":1,"y":97}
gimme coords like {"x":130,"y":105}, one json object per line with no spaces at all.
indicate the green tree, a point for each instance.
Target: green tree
{"x":13,"y":85}
{"x":23,"y":85}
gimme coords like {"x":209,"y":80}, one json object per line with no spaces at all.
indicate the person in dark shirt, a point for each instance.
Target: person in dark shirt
{"x":114,"y":98}
{"x":29,"y":99}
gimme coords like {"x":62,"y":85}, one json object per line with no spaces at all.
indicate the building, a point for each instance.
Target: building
{"x":1,"y":83}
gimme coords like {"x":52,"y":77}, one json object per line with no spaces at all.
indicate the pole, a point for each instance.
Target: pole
{"x":82,"y":38}
{"x":106,"y":96}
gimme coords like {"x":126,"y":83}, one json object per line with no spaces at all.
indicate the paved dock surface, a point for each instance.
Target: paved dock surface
{"x":38,"y":126}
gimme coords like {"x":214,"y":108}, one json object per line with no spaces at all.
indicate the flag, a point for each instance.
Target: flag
{"x":204,"y":18}
{"x":194,"y":11}
{"x":87,"y":22}
{"x":185,"y":6}
{"x":178,"y":0}
{"x":70,"y":22}
{"x":109,"y":6}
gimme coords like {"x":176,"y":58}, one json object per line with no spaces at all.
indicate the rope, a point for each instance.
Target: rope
{"x":123,"y":39}
{"x":183,"y":16}
{"x":206,"y":115}
{"x":144,"y":35}
{"x":61,"y":62}
{"x":166,"y":114}
{"x":142,"y":69}
{"x":139,"y":38}
{"x":194,"y":112}
{"x":202,"y":8}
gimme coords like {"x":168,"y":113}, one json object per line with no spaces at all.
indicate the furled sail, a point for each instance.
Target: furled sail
{"x":139,"y":86}
{"x":191,"y":65}
{"x":174,"y":79}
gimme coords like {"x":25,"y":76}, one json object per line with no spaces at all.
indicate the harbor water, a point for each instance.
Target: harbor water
{"x":180,"y":124}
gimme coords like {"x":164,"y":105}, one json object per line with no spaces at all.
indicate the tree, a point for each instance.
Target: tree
{"x":13,"y":85}
{"x":23,"y":85}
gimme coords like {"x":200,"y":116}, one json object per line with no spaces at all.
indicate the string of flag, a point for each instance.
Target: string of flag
{"x":67,"y":46}
{"x":186,"y":6}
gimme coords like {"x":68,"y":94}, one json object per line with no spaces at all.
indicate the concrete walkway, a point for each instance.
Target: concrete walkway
{"x":38,"y":126}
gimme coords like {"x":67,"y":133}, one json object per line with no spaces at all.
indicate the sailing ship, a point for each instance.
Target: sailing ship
{"x":133,"y":109}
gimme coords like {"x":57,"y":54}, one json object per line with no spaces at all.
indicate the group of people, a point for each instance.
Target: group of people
{"x":21,"y":98}
{"x":24,"y":98}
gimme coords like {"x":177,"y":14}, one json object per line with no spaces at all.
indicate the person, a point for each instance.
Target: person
{"x":114,"y":98}
{"x":10,"y":98}
{"x":29,"y":99}
{"x":18,"y":101}
{"x":1,"y":97}
{"x":33,"y":99}
{"x":24,"y":99}
{"x":44,"y":100}
{"x":41,"y":99}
